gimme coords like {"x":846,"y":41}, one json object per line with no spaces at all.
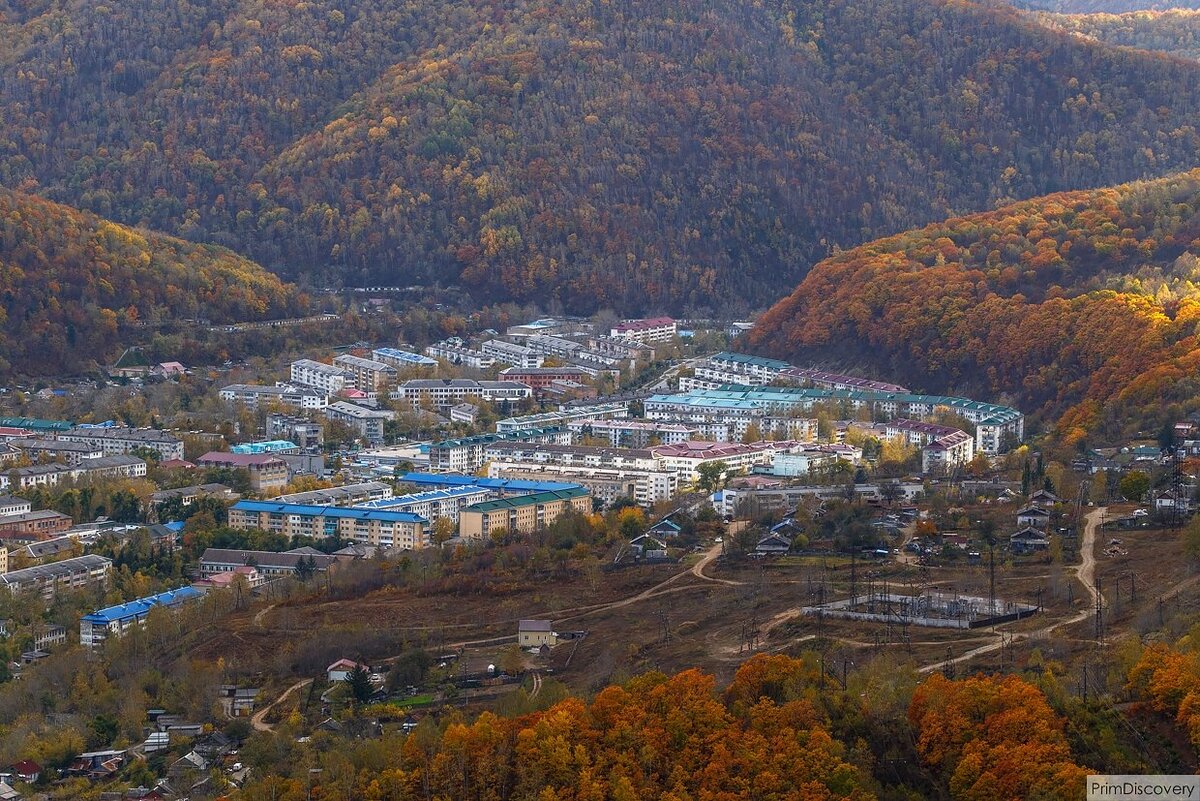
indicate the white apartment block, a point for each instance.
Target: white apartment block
{"x":444,"y":392}
{"x":404,"y":359}
{"x":466,"y":455}
{"x":516,"y":355}
{"x":553,"y":346}
{"x":646,"y":487}
{"x":685,"y":459}
{"x":567,"y":415}
{"x":251,"y":395}
{"x":433,"y":504}
{"x":120,"y":441}
{"x":367,"y":422}
{"x":633,"y":433}
{"x":459,"y":355}
{"x":581,"y":455}
{"x":325,"y":377}
{"x":652,"y":329}
{"x":367,"y":375}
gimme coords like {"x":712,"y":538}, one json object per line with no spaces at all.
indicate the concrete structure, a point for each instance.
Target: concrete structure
{"x":252,"y":395}
{"x":733,"y":500}
{"x":993,"y":423}
{"x":270,"y":564}
{"x":323,"y":377}
{"x":189,"y":495}
{"x":446,"y":392}
{"x":344,"y":495}
{"x":623,"y":433}
{"x":122,"y":441}
{"x":272,"y":446}
{"x":942,"y":447}
{"x":686,"y":458}
{"x":12,"y":505}
{"x":542,"y":377}
{"x":404,"y":360}
{"x":521,"y":514}
{"x":34,"y":526}
{"x":647,"y":487}
{"x":299,"y":430}
{"x":580,"y":455}
{"x":652,"y":329}
{"x":466,"y":455}
{"x":599,"y":411}
{"x":430,"y":505}
{"x":367,"y":422}
{"x":500,"y":488}
{"x":461,"y":356}
{"x":804,"y":376}
{"x":79,"y":573}
{"x":509,"y":353}
{"x":367,"y":375}
{"x":378,"y":527}
{"x":111,"y":621}
{"x":69,"y":453}
{"x":267,"y":473}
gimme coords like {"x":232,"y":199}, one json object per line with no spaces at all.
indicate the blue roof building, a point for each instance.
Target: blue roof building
{"x":96,"y":627}
{"x":382,"y":528}
{"x":269,"y":446}
{"x":402,"y":358}
{"x":500,"y":487}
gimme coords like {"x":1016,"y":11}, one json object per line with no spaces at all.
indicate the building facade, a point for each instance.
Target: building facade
{"x":379,"y":527}
{"x":326,"y":378}
{"x":122,"y":441}
{"x":521,"y":514}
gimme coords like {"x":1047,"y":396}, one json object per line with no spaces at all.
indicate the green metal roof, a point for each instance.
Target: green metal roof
{"x":527,"y":500}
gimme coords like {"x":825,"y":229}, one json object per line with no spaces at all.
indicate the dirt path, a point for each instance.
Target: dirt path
{"x":258,"y":721}
{"x":1085,"y":571}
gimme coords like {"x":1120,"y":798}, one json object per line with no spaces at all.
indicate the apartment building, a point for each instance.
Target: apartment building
{"x":404,"y":360}
{"x":541,"y":377}
{"x":625,"y":433}
{"x":111,"y":467}
{"x":269,"y":564}
{"x":521,"y":514}
{"x":948,"y":451}
{"x":78,"y":573}
{"x":114,"y":621}
{"x":345,"y":495}
{"x":268,"y":473}
{"x":189,"y":495}
{"x":652,"y":329}
{"x":599,"y":411}
{"x":466,"y":454}
{"x":557,"y":347}
{"x":509,"y":353}
{"x":432,"y":504}
{"x":382,"y":528}
{"x":367,"y":422}
{"x":686,"y":458}
{"x":252,"y":395}
{"x":69,"y":453}
{"x":629,"y":350}
{"x":647,"y":487}
{"x":326,"y":378}
{"x":278,"y":447}
{"x":732,"y":368}
{"x":299,"y":430}
{"x":12,"y":505}
{"x":34,"y":526}
{"x":460,"y":355}
{"x":582,"y":455}
{"x":804,"y":376}
{"x":121,"y":441}
{"x":367,"y":375}
{"x":446,"y":392}
{"x":499,"y":487}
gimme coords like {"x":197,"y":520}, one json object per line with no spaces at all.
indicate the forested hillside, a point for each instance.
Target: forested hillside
{"x":637,"y":155}
{"x":1176,"y":32}
{"x":73,"y":287}
{"x":1104,"y":6}
{"x":1084,"y":304}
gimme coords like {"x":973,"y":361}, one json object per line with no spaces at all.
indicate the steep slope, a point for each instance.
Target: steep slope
{"x":1104,"y":6}
{"x":639,"y":155}
{"x":1084,"y":305}
{"x":73,"y":287}
{"x":1176,"y":32}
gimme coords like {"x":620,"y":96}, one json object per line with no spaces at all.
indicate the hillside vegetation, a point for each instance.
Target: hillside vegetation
{"x":1176,"y":32}
{"x":636,"y":155}
{"x":1084,"y":304}
{"x":73,"y":287}
{"x":1104,"y":6}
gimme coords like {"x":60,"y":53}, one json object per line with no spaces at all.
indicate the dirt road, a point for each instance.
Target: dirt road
{"x":1085,"y":571}
{"x":258,"y":721}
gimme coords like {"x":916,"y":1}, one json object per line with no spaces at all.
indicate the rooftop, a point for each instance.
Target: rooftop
{"x":498,"y":484}
{"x":238,"y":459}
{"x":307,"y":510}
{"x":141,"y":606}
{"x":364,"y":364}
{"x":747,"y":359}
{"x":528,"y":500}
{"x":78,"y":564}
{"x":318,"y":367}
{"x":404,"y":356}
{"x":423,"y":497}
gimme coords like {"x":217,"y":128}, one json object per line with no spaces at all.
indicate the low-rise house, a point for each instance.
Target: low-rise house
{"x":1028,"y":540}
{"x":1044,"y":498}
{"x":27,"y":771}
{"x":647,"y":546}
{"x":97,"y":764}
{"x":535,"y":633}
{"x":1033,"y":516}
{"x":224,"y":581}
{"x":773,"y":544}
{"x":665,"y":528}
{"x":7,"y":793}
{"x":341,"y":670}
